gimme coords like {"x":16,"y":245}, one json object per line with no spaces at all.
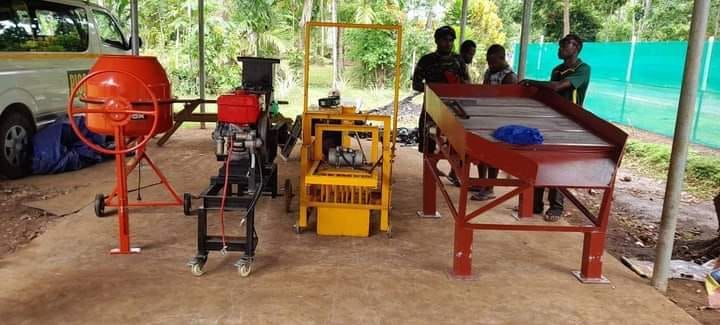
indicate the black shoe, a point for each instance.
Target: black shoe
{"x":553,"y":215}
{"x":453,"y":180}
{"x":483,"y":196}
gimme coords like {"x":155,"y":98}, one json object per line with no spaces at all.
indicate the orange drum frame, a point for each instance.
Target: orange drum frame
{"x":109,"y":111}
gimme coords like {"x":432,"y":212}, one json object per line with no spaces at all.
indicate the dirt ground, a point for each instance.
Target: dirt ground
{"x":632,"y":232}
{"x":20,"y":224}
{"x":522,"y":277}
{"x":633,"y":228}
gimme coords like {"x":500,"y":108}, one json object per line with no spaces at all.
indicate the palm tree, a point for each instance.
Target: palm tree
{"x":306,"y":17}
{"x":335,"y":45}
{"x":566,"y":17}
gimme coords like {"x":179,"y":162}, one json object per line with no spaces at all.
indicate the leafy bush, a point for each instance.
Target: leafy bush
{"x":374,"y":50}
{"x":294,"y":58}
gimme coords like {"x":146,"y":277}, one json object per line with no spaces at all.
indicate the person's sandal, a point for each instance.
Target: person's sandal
{"x":453,"y":180}
{"x":552,"y":216}
{"x":482,"y":196}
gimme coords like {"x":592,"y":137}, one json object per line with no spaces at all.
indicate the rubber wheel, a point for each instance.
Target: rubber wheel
{"x":99,"y":205}
{"x":16,"y":133}
{"x":197,"y":270}
{"x":288,"y":195}
{"x":245,"y":269}
{"x":296,"y":229}
{"x":187,"y":204}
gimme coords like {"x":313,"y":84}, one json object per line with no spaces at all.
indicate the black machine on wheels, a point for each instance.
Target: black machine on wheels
{"x":246,"y":143}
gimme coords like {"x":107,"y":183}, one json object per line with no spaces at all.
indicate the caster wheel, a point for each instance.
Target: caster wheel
{"x":389,"y":232}
{"x":245,"y":269}
{"x":197,"y":269}
{"x":187,"y":204}
{"x":288,"y":195}
{"x":99,"y":205}
{"x":297,"y":229}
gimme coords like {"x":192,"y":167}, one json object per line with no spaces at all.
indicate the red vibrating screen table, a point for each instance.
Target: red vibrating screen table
{"x":580,"y":151}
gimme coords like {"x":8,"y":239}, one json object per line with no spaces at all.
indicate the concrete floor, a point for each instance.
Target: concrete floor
{"x":67,"y":275}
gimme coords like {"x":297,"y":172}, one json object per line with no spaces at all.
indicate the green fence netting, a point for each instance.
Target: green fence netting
{"x":643,"y":93}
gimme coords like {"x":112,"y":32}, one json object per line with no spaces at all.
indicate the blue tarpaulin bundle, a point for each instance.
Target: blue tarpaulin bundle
{"x":518,"y":134}
{"x":57,"y":149}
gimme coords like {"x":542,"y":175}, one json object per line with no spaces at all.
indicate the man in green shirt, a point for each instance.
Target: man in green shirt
{"x":570,"y":80}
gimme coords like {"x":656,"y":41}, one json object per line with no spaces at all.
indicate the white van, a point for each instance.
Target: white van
{"x":46,"y":46}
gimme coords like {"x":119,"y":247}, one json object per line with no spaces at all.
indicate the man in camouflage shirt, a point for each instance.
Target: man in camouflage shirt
{"x":441,"y":66}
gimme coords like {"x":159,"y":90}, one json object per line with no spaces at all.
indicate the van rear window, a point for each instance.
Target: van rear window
{"x":42,"y":26}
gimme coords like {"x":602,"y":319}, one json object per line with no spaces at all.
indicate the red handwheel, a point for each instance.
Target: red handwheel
{"x":118,"y":110}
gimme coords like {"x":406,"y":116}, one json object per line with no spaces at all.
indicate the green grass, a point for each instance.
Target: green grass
{"x":320,"y":76}
{"x":702,"y":174}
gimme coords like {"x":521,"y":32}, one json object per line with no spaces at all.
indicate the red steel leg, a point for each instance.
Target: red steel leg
{"x":429,"y":208}
{"x":593,"y":249}
{"x":121,"y":179}
{"x":594,"y":245}
{"x":525,"y":203}
{"x":462,"y":253}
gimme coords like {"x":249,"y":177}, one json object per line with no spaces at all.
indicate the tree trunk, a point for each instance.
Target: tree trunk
{"x":634,"y":22}
{"x":341,"y":52}
{"x":306,"y":16}
{"x":566,"y":17}
{"x":256,"y":39}
{"x":414,"y":61}
{"x":177,"y":46}
{"x":322,"y":30}
{"x":646,"y":15}
{"x":717,"y":20}
{"x":428,"y":22}
{"x":717,"y":209}
{"x":335,"y":44}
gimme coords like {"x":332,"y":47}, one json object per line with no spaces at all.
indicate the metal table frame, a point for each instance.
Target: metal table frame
{"x":562,"y":166}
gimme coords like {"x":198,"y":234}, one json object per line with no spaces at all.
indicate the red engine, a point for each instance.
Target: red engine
{"x":239,"y":108}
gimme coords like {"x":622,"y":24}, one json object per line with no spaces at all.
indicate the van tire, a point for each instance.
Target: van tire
{"x":15,"y":158}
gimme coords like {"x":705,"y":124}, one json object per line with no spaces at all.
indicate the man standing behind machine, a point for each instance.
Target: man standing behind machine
{"x":498,"y":73}
{"x":441,"y":66}
{"x":570,"y":80}
{"x":467,"y":53}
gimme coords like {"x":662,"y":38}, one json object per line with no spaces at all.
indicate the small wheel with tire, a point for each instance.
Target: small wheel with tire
{"x":245,"y":269}
{"x":296,"y":229}
{"x":197,"y":269}
{"x":99,"y":205}
{"x":16,"y":133}
{"x":187,"y":204}
{"x":288,"y":194}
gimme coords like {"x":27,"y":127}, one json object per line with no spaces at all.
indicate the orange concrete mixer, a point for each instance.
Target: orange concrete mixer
{"x":119,"y":72}
{"x":129,"y":98}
